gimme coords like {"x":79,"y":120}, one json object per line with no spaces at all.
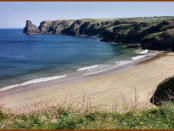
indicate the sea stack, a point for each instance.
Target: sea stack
{"x":30,"y":28}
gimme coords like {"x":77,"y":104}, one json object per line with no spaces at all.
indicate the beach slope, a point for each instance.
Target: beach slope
{"x":122,"y":90}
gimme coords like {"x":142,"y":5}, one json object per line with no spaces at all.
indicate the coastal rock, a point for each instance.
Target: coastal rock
{"x":164,"y":92}
{"x":30,"y":28}
{"x":54,"y":27}
{"x":153,"y":33}
{"x":45,"y":27}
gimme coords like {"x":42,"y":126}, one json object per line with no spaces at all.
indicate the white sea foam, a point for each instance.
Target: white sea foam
{"x":120,"y":63}
{"x":105,"y":67}
{"x":138,"y":57}
{"x":99,"y":68}
{"x":88,"y":67}
{"x":32,"y":82}
{"x":142,"y":51}
{"x":99,"y":71}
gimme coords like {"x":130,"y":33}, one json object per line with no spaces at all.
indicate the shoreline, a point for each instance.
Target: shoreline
{"x":113,"y":69}
{"x":9,"y":83}
{"x":98,"y":87}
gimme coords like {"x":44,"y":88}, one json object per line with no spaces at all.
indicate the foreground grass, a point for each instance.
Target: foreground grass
{"x":156,"y":118}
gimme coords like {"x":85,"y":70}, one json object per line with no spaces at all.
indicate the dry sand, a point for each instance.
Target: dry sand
{"x":119,"y":91}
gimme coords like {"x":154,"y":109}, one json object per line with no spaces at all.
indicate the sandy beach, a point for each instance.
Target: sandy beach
{"x":110,"y":91}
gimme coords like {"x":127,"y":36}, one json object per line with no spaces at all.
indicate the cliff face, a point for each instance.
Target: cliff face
{"x":157,"y":34}
{"x":30,"y":28}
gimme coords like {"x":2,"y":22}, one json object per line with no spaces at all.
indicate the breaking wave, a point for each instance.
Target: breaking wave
{"x":88,"y":67}
{"x":32,"y":82}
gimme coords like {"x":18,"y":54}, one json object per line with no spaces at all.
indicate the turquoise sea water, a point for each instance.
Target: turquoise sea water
{"x":27,"y":57}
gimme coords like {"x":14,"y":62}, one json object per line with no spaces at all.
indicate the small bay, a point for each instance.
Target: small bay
{"x":28,"y":57}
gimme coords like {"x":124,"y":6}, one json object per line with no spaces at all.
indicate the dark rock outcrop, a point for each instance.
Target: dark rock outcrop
{"x":164,"y":92}
{"x":151,"y":33}
{"x":30,"y":28}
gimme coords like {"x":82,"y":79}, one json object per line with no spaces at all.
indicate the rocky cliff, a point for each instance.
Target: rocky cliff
{"x":150,"y":33}
{"x":30,"y":28}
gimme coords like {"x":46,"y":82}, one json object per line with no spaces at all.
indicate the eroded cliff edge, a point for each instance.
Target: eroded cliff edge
{"x":149,"y":33}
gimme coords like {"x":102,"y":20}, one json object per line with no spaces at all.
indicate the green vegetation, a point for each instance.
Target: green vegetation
{"x":57,"y":118}
{"x":154,"y":33}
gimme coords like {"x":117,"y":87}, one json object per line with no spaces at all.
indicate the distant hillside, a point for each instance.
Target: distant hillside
{"x":156,"y":33}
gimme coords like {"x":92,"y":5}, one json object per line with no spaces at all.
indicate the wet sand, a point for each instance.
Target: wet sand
{"x":131,"y":86}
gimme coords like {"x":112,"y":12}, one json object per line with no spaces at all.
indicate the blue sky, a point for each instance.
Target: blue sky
{"x":14,"y":14}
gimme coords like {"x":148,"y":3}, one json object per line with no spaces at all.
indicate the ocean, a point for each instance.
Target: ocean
{"x":26,"y":59}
